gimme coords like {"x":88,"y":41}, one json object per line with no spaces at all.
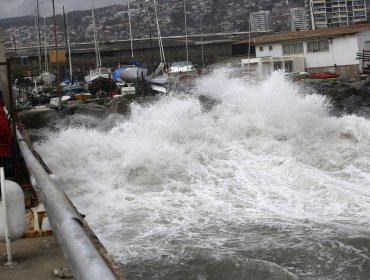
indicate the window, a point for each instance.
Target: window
{"x":293,"y":48}
{"x":288,"y":66}
{"x":270,"y":48}
{"x":318,"y":46}
{"x":277,"y":65}
{"x":261,"y":49}
{"x":24,"y":60}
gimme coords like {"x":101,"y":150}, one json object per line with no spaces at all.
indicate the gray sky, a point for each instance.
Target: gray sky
{"x":15,"y":8}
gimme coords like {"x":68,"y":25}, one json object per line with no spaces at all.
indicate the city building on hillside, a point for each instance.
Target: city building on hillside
{"x":260,"y":21}
{"x":3,"y":69}
{"x":330,"y":13}
{"x":323,"y":50}
{"x":298,"y":19}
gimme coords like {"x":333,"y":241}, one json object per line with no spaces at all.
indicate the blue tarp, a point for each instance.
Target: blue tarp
{"x":115,"y":74}
{"x":137,"y":63}
{"x":68,"y":82}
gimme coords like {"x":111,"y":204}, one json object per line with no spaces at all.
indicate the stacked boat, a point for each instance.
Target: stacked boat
{"x":176,"y":75}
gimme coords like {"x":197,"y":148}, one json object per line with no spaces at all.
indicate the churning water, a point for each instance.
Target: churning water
{"x":261,"y":184}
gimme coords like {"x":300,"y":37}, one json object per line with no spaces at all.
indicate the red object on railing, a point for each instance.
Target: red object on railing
{"x":6,"y":136}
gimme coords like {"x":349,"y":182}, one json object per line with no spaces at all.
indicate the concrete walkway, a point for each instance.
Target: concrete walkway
{"x":36,"y":258}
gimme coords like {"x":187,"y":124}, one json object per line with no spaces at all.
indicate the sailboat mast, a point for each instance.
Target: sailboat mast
{"x":38,"y":34}
{"x":249,"y":41}
{"x":57,"y":56}
{"x":186,"y":34}
{"x":46,"y":66}
{"x":68,"y":44}
{"x":161,"y":51}
{"x":201,"y":39}
{"x":129,"y":23}
{"x":98,"y":61}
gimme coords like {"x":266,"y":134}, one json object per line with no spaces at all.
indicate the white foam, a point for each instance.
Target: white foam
{"x":175,"y":175}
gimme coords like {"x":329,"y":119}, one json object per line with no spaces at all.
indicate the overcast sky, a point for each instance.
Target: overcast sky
{"x":15,"y":8}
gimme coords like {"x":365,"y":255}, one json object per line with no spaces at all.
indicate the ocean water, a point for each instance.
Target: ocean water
{"x":261,"y":183}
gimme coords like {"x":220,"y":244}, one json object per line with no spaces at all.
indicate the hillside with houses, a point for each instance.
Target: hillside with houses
{"x":207,"y":16}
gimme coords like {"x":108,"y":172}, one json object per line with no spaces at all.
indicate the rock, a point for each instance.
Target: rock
{"x":364,"y":112}
{"x":364,"y":92}
{"x":339,"y":93}
{"x":360,"y":84}
{"x":38,"y":117}
{"x":207,"y":102}
{"x":150,"y":99}
{"x":352,"y":104}
{"x":95,"y":111}
{"x":99,"y":101}
{"x":118,"y":106}
{"x":69,"y":109}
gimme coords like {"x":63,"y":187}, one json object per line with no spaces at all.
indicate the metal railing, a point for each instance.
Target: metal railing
{"x":79,"y":252}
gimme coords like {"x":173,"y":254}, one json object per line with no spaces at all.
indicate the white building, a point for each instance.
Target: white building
{"x":329,"y":13}
{"x":260,"y":21}
{"x":298,"y":19}
{"x":330,"y":50}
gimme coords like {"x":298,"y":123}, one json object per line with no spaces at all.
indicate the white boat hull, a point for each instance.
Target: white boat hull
{"x":133,"y":73}
{"x":90,"y":78}
{"x":159,"y":84}
{"x":48,"y":78}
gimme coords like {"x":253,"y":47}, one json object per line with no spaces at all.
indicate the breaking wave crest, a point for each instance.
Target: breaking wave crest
{"x":234,"y":172}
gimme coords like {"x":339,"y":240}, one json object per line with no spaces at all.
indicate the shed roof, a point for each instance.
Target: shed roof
{"x":331,"y":32}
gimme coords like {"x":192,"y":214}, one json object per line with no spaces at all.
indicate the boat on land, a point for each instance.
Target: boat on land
{"x":69,"y":86}
{"x":55,"y":101}
{"x":100,"y":75}
{"x":135,"y":70}
{"x":322,"y":75}
{"x":176,"y":75}
{"x":315,"y":77}
{"x":83,"y":96}
{"x":181,"y":74}
{"x":124,"y":87}
{"x":101,"y":84}
{"x":47,"y":77}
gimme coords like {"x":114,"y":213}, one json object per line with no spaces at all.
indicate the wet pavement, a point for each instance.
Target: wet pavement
{"x":36,"y":258}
